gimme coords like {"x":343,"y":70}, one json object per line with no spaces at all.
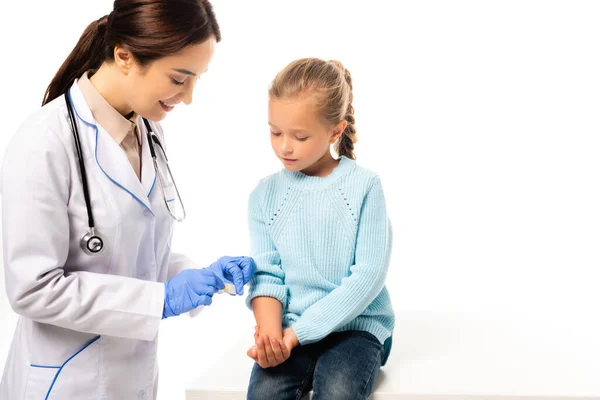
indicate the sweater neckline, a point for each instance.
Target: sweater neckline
{"x":298,"y":178}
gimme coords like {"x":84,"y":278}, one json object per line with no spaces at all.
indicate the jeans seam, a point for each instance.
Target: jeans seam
{"x":300,"y":391}
{"x":370,"y":376}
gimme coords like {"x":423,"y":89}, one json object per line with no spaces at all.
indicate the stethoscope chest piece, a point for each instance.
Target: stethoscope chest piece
{"x":91,"y":243}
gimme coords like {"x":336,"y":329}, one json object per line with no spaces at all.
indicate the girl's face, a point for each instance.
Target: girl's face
{"x":298,"y":135}
{"x":154,"y":90}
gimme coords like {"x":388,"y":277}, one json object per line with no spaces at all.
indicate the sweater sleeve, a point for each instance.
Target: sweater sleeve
{"x":367,"y":275}
{"x":269,"y":278}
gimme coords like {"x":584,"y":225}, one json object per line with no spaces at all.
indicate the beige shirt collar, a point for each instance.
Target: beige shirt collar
{"x":110,"y":119}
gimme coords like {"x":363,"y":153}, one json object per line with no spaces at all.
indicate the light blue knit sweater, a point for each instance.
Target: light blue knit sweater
{"x":322,"y":248}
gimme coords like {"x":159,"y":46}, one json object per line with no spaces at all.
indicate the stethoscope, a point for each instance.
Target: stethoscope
{"x":91,"y":242}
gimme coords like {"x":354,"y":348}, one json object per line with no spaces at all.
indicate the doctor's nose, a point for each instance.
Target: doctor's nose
{"x":186,"y":95}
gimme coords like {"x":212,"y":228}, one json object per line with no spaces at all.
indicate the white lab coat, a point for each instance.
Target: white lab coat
{"x":88,"y":324}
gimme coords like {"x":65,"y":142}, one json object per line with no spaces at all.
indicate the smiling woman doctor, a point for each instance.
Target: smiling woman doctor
{"x":89,"y":204}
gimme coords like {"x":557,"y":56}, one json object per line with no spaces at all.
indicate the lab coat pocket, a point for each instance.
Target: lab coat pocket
{"x":76,"y":377}
{"x":39,"y":382}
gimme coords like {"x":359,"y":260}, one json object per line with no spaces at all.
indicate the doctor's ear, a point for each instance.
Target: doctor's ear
{"x":124,"y":59}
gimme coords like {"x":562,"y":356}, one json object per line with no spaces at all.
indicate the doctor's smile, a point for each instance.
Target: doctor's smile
{"x":166,"y":106}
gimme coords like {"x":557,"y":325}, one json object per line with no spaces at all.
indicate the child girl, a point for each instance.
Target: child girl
{"x":321,"y":241}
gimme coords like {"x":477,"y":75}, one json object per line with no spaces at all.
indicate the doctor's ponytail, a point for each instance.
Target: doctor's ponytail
{"x":87,"y":54}
{"x":150,"y":29}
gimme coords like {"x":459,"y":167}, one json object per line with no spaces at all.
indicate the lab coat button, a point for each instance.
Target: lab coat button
{"x":146,"y":212}
{"x":142,"y":394}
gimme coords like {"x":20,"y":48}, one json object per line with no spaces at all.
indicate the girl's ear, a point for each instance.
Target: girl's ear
{"x":337,"y":131}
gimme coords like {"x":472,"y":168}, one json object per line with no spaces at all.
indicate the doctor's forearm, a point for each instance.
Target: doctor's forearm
{"x":94,"y":303}
{"x":267,"y":312}
{"x":177,"y":263}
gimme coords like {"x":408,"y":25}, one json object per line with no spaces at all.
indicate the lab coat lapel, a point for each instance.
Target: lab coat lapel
{"x":107,"y":153}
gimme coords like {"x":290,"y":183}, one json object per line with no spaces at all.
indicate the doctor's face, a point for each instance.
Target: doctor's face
{"x":155,"y":89}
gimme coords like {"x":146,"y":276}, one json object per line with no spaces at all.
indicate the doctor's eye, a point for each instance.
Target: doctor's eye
{"x":175,"y":81}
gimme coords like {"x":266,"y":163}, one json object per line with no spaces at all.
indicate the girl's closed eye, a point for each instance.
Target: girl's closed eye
{"x":302,"y":139}
{"x":275,"y":133}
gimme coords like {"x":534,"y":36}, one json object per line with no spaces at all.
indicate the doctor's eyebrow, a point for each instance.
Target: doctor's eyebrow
{"x":185,"y":71}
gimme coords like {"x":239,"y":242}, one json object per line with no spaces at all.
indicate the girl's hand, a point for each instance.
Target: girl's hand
{"x":252,"y":351}
{"x":290,"y":339}
{"x":269,"y":352}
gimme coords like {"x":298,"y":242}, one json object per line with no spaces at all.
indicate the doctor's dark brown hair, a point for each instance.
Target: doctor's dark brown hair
{"x":150,"y":29}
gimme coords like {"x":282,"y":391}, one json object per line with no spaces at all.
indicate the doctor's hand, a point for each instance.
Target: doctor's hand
{"x":189,"y":289}
{"x":234,"y":270}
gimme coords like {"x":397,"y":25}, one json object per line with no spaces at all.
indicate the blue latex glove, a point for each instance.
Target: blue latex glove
{"x":189,"y":289}
{"x":234,"y":270}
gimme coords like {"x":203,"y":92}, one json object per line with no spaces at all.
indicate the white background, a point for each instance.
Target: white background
{"x":481,"y":117}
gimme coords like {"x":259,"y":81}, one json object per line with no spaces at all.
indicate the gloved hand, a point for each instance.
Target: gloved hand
{"x":189,"y":289}
{"x":234,"y":270}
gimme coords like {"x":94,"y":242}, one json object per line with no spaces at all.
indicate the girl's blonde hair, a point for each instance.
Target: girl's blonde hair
{"x":330,"y":84}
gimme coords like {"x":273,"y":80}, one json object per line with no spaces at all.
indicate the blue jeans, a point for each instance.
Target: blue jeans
{"x":343,"y":366}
